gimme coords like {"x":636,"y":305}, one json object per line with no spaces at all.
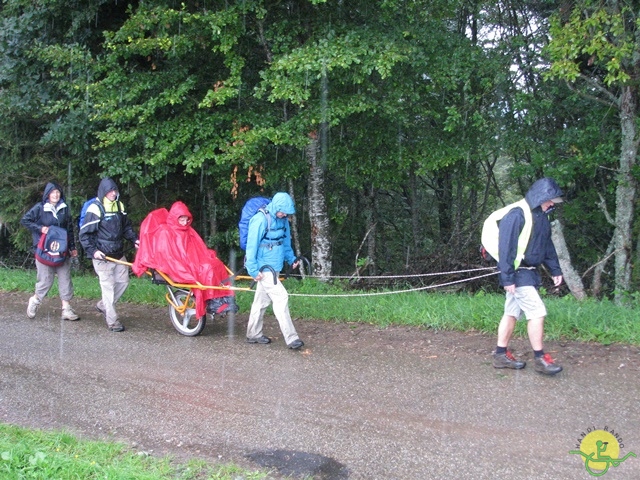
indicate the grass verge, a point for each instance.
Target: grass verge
{"x":589,"y":320}
{"x":36,"y":454}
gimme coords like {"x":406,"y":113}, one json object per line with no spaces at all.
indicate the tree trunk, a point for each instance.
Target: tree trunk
{"x":212,"y":217}
{"x":444,"y":199}
{"x":625,"y":192}
{"x":415,"y":212}
{"x":372,"y":222}
{"x":320,"y":239}
{"x":571,"y":277}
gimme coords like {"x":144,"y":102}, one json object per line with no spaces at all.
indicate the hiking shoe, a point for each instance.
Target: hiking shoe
{"x":296,"y":344}
{"x":116,"y":327}
{"x":215,"y":304}
{"x":263,"y":340}
{"x":231,"y":307}
{"x":545,"y":365}
{"x":32,"y":308}
{"x":507,"y":360}
{"x":69,"y":314}
{"x":222,"y":306}
{"x":227,"y":308}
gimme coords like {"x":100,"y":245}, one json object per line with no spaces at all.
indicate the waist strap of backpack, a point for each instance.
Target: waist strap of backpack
{"x":271,"y":244}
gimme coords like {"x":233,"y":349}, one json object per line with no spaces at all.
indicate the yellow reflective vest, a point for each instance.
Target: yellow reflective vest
{"x":491,"y":232}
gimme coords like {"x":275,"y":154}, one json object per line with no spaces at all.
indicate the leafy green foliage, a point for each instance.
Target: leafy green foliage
{"x":600,"y":40}
{"x":428,"y":114}
{"x":45,"y":67}
{"x":173,"y":61}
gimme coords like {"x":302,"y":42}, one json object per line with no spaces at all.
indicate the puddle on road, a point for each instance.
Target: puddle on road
{"x":301,"y":464}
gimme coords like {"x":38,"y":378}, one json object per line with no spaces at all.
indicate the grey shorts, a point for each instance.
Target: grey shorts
{"x":525,"y":300}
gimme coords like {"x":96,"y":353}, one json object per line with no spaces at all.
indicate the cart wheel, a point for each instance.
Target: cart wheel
{"x":187,"y":324}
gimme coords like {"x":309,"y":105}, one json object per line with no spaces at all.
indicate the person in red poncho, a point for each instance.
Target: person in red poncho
{"x":169,"y":243}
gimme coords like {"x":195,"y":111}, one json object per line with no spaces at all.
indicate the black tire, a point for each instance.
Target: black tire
{"x":187,"y":324}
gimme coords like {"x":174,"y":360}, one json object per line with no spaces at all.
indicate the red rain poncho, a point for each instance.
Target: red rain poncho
{"x":180,"y":253}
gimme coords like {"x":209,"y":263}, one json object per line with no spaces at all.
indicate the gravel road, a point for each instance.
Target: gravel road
{"x":358,"y":402}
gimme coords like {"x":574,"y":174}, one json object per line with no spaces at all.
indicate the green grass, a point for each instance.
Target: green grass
{"x":568,"y":319}
{"x":36,"y":454}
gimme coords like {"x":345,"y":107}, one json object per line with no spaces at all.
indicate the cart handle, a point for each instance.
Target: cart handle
{"x":273,"y":272}
{"x":115,"y":260}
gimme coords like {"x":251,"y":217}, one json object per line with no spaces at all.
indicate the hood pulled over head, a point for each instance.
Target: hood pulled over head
{"x":281,"y":202}
{"x":106,"y":185}
{"x":179,"y":209}
{"x":542,"y":191}
{"x":49,"y":188}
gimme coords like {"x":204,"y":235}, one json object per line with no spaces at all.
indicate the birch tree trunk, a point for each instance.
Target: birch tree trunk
{"x":571,"y":277}
{"x":320,"y":239}
{"x":625,"y":192}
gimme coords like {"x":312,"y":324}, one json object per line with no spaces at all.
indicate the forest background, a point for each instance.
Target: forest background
{"x":396,"y":125}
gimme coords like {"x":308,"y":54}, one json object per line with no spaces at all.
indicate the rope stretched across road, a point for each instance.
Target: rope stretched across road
{"x":370,"y":294}
{"x":414,"y":275}
{"x":417,"y":289}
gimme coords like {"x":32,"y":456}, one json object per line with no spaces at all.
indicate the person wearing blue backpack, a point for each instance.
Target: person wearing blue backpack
{"x":52,"y":211}
{"x":102,"y":234}
{"x":269,"y":245}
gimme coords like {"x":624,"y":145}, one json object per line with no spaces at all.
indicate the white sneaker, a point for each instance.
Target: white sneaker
{"x":32,"y":308}
{"x":69,"y":314}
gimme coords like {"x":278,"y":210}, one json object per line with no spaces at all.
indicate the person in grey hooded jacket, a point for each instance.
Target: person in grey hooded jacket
{"x":521,"y":284}
{"x":269,"y":244}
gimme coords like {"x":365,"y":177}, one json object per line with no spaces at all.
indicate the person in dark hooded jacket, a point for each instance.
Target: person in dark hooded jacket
{"x":52,"y":211}
{"x":102,"y":234}
{"x":521,"y":283}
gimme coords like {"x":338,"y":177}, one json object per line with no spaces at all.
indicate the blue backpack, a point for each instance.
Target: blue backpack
{"x":52,"y":247}
{"x":253,"y":206}
{"x":85,"y":206}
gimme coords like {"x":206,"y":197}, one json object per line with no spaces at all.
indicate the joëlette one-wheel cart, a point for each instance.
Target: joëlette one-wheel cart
{"x":182,"y":305}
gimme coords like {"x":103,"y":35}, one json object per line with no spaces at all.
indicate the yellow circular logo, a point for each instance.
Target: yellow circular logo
{"x":599,"y":443}
{"x":600,"y":450}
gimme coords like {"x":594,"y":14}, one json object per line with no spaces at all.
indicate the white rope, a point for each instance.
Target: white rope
{"x":393,"y":292}
{"x":416,"y":275}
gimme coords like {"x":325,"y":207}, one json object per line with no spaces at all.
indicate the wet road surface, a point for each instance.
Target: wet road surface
{"x":357,"y":402}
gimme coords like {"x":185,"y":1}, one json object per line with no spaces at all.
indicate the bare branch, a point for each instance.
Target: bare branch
{"x":602,"y":204}
{"x":604,"y":260}
{"x":357,"y":272}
